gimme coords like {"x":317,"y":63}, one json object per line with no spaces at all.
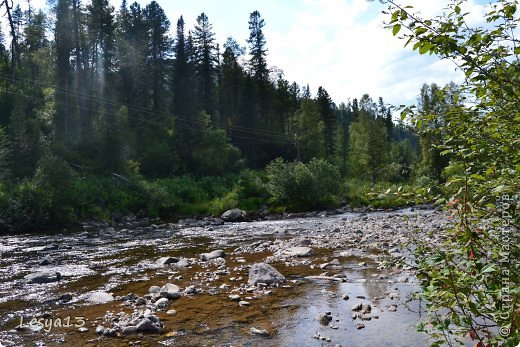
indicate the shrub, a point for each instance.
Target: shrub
{"x":303,"y":186}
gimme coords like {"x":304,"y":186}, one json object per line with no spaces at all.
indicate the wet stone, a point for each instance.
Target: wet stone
{"x":170,"y":291}
{"x":154,"y":289}
{"x":213,"y":255}
{"x":259,"y":332}
{"x":129,"y":330}
{"x":264,"y":273}
{"x":148,"y":326}
{"x":65,"y":297}
{"x":325,"y":318}
{"x":43,"y":277}
{"x":162,"y":303}
{"x":167,"y":260}
{"x":46,"y":260}
{"x":100,"y":298}
{"x":360,"y":326}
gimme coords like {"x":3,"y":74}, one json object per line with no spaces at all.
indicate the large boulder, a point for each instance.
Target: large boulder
{"x":264,"y":273}
{"x":43,"y":277}
{"x":234,"y":215}
{"x":170,"y":291}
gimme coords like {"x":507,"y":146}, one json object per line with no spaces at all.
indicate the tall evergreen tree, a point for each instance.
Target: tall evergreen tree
{"x":327,"y":113}
{"x":64,"y":46}
{"x":258,"y":62}
{"x":158,"y":52}
{"x":231,"y":86}
{"x":206,"y":61}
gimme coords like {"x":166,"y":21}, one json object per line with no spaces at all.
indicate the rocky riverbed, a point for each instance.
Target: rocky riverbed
{"x":304,"y":280}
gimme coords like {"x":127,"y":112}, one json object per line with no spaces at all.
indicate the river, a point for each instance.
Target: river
{"x":344,"y":269}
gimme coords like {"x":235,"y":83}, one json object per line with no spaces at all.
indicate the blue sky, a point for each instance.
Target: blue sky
{"x":338,"y":44}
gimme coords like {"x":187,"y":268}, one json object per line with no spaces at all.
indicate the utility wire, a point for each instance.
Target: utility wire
{"x":141,"y":120}
{"x":114,"y":103}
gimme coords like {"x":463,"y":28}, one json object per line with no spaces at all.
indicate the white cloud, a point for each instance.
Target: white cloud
{"x":342,"y":46}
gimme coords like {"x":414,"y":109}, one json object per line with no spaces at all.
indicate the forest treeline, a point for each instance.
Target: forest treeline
{"x":102,"y":111}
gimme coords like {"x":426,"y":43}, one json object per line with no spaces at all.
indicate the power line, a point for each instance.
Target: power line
{"x":138,"y":119}
{"x":114,"y":103}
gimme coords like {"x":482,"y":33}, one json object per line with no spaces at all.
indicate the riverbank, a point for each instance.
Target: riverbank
{"x":330,"y":263}
{"x":33,"y":206}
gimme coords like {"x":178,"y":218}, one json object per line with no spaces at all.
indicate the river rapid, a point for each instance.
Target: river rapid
{"x":112,"y":278}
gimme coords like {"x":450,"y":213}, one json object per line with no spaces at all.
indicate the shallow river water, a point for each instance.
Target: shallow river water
{"x":120,"y":262}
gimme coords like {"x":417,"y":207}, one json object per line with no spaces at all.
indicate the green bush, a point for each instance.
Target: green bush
{"x":303,"y":186}
{"x":224,"y":203}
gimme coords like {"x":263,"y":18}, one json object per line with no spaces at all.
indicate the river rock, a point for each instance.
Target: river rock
{"x":170,"y":291}
{"x":182,"y":263}
{"x":43,"y":277}
{"x":154,"y":289}
{"x":234,"y":297}
{"x":190,"y":290}
{"x":360,"y":326}
{"x":129,"y":330}
{"x":65,"y":297}
{"x":167,"y":260}
{"x":100,"y":298}
{"x":325,"y":318}
{"x":162,"y":303}
{"x":303,"y":242}
{"x":259,"y":332}
{"x":212,"y":255}
{"x":148,"y":326}
{"x":234,"y":215}
{"x":298,"y":251}
{"x":392,"y":308}
{"x":46,"y":260}
{"x":264,"y":273}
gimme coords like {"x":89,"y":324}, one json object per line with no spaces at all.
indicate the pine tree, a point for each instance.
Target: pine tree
{"x":258,"y":63}
{"x":206,"y":61}
{"x":368,"y":146}
{"x":327,"y":113}
{"x":64,"y":46}
{"x":231,"y":86}
{"x":158,"y":52}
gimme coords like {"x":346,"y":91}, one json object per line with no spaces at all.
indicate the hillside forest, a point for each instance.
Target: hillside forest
{"x":103,"y":113}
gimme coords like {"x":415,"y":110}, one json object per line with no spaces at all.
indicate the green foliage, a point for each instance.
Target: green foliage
{"x":387,"y":194}
{"x":53,"y":181}
{"x":214,"y":155}
{"x":403,"y":158}
{"x":5,"y":154}
{"x":308,"y":131}
{"x":368,"y":146}
{"x":224,"y":203}
{"x":303,"y":186}
{"x":470,"y":280}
